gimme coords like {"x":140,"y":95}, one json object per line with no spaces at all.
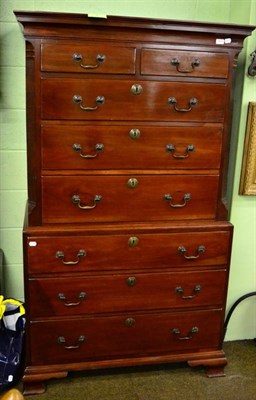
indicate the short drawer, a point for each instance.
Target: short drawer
{"x":107,"y":252}
{"x":125,"y":335}
{"x":84,"y":58}
{"x":130,"y":147}
{"x":120,"y":100}
{"x":128,"y":198}
{"x":184,"y":63}
{"x":123,"y":293}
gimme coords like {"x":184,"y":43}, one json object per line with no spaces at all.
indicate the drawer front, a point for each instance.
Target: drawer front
{"x":118,"y":99}
{"x":56,"y":254}
{"x":184,"y":63}
{"x":130,"y":147}
{"x":124,"y":335}
{"x":123,"y":293}
{"x":128,"y":198}
{"x":97,"y":58}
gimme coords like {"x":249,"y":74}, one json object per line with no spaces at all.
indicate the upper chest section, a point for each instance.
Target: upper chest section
{"x":75,"y":43}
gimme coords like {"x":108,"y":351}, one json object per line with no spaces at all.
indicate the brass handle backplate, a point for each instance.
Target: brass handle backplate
{"x":100,"y":58}
{"x":79,"y":100}
{"x":194,"y":63}
{"x":179,"y":290}
{"x":192,"y":332}
{"x":186,"y":198}
{"x":77,"y":147}
{"x":173,"y":102}
{"x":76,"y":200}
{"x":60,"y":255}
{"x":61,"y":340}
{"x":200,"y":250}
{"x":81,"y":297}
{"x":171,"y":148}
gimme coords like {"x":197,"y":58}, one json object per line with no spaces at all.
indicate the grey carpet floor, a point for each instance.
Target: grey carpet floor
{"x":163,"y":382}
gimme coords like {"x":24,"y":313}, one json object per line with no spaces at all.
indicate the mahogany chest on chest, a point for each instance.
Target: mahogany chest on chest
{"x":127,"y":243}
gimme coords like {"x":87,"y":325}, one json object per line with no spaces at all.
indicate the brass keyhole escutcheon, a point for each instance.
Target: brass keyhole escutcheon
{"x":129,"y":322}
{"x":131,"y":281}
{"x":132,"y":183}
{"x":136,"y":89}
{"x":133,"y":241}
{"x":134,"y":133}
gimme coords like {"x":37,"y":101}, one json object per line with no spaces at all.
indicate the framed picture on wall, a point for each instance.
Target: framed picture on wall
{"x":248,"y":174}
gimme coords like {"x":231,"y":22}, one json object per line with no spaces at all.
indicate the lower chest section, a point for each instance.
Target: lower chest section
{"x":136,"y":292}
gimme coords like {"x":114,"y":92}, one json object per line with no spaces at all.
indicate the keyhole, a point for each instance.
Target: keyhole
{"x":134,"y":133}
{"x":133,"y":241}
{"x":132,"y":183}
{"x":136,"y":89}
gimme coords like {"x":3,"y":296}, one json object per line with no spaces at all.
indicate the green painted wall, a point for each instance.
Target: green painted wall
{"x":243,"y":211}
{"x":13,"y":142}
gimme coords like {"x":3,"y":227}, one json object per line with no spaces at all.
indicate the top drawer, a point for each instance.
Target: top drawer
{"x":184,"y":63}
{"x":83,"y":58}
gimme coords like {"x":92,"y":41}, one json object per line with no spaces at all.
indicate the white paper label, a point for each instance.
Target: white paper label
{"x":32,"y":243}
{"x":96,"y":15}
{"x":224,"y":41}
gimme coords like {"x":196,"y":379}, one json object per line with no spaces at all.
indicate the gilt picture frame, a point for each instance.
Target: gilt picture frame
{"x":248,"y":173}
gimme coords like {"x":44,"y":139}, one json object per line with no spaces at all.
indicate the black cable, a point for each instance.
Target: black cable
{"x":245,"y":296}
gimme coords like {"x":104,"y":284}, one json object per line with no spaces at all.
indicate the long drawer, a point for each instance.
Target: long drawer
{"x":106,"y":252}
{"x":128,"y":198}
{"x":101,"y":99}
{"x":83,"y":339}
{"x":123,"y":293}
{"x":130,"y":147}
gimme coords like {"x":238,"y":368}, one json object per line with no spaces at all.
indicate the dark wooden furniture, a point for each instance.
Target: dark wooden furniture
{"x":127,"y":245}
